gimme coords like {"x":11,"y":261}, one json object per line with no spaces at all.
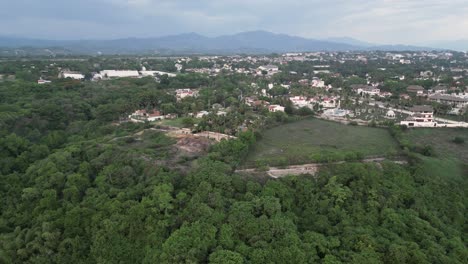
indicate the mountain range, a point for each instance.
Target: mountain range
{"x":253,"y":42}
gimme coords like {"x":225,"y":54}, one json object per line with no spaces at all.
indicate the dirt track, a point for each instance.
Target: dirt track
{"x":311,"y":168}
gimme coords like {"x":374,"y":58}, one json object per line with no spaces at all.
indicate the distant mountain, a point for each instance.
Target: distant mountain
{"x":458,"y":45}
{"x":401,"y":48}
{"x":351,"y":41}
{"x":253,"y":42}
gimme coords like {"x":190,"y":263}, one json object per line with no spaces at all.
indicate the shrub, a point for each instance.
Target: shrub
{"x":458,"y":140}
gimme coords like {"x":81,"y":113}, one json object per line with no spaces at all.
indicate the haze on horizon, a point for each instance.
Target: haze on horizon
{"x":413,"y":22}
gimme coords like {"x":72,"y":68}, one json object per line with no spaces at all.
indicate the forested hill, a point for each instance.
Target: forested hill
{"x":77,"y":189}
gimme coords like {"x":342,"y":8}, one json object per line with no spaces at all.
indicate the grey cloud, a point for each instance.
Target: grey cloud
{"x":391,"y":21}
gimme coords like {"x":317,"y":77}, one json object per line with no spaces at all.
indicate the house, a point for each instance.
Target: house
{"x":421,"y":116}
{"x":370,"y":90}
{"x":275,"y":108}
{"x":385,"y":94}
{"x":145,"y":115}
{"x":448,"y":99}
{"x":299,"y":101}
{"x":72,"y":75}
{"x":415,"y":89}
{"x":179,"y":67}
{"x":405,"y":96}
{"x":268,"y":69}
{"x":365,"y":89}
{"x":318,"y":83}
{"x":182,"y":93}
{"x":329,"y":103}
{"x":201,"y":114}
{"x":440,"y":89}
{"x":426,"y":74}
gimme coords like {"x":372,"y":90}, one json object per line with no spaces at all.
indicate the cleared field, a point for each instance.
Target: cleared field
{"x":319,"y":140}
{"x":441,"y":140}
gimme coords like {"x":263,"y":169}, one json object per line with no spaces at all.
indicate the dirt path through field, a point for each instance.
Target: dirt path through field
{"x":311,"y":168}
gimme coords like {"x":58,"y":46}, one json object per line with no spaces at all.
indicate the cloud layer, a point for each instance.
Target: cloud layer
{"x":379,"y":21}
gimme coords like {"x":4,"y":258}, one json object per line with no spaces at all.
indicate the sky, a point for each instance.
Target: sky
{"x":376,"y":21}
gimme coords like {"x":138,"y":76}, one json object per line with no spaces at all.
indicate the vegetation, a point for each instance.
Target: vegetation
{"x":312,"y":140}
{"x":78,"y":184}
{"x":447,"y":142}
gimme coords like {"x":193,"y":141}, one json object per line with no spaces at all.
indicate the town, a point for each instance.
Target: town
{"x":365,"y":88}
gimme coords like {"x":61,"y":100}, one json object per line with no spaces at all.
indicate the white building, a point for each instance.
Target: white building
{"x":329,"y":103}
{"x":390,"y":114}
{"x":118,"y":74}
{"x":201,"y":114}
{"x":183,"y":93}
{"x":41,"y":81}
{"x":143,"y":115}
{"x":300,"y":101}
{"x":156,"y":73}
{"x":421,"y":116}
{"x":275,"y":108}
{"x":73,"y":75}
{"x":448,"y":99}
{"x":318,"y":83}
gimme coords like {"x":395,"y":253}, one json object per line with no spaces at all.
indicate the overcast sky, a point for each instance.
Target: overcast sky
{"x":378,"y":21}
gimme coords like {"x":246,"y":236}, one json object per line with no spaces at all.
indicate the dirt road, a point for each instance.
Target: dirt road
{"x":311,"y":168}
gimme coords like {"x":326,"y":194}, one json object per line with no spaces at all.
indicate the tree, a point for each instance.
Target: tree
{"x":226,"y":257}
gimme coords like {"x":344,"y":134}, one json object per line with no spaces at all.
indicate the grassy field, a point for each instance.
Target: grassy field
{"x":318,"y":140}
{"x":441,"y":140}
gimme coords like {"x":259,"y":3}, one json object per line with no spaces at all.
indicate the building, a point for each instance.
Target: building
{"x":300,"y":101}
{"x":202,"y":114}
{"x":365,"y":89}
{"x":426,"y":74}
{"x":183,"y":93}
{"x":156,"y":73}
{"x":329,"y":103}
{"x":448,"y":99}
{"x":318,"y":83}
{"x":390,"y":114}
{"x":268,"y":69}
{"x":385,"y":94}
{"x":41,"y":81}
{"x":275,"y":108}
{"x":72,"y":75}
{"x":144,"y":115}
{"x":440,"y":89}
{"x":415,"y":89}
{"x":421,"y":116}
{"x":105,"y":74}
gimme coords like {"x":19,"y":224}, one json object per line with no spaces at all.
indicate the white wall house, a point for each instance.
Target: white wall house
{"x":318,"y":83}
{"x":275,"y":108}
{"x":329,"y":103}
{"x":144,"y":115}
{"x":421,"y":116}
{"x":182,"y":93}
